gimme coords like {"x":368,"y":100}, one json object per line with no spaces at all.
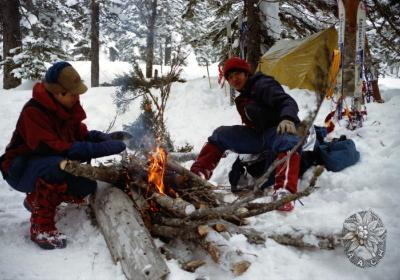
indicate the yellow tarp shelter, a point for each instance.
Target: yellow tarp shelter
{"x":302,"y":63}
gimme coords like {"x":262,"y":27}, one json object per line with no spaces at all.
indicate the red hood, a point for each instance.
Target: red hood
{"x":75,"y":114}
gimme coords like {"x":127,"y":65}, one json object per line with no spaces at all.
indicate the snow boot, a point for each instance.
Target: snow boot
{"x":207,"y":160}
{"x":286,"y":177}
{"x":29,"y":201}
{"x":43,"y":229}
{"x":279,"y":194}
{"x":67,"y":198}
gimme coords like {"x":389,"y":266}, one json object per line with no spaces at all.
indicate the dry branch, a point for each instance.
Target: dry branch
{"x":321,"y":242}
{"x":237,"y":209}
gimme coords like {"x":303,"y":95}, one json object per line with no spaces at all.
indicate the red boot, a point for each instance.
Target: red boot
{"x":29,"y":201}
{"x":207,"y":160}
{"x":286,"y":177}
{"x":43,"y":228}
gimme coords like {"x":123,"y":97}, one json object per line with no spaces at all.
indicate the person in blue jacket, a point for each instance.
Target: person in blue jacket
{"x":270,"y":118}
{"x":49,"y":130}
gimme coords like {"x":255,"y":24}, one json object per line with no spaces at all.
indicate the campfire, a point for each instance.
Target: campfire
{"x":156,"y":172}
{"x":188,"y":209}
{"x":157,"y":169}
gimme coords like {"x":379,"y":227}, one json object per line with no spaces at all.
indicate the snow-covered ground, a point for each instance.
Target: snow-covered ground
{"x":193,"y":111}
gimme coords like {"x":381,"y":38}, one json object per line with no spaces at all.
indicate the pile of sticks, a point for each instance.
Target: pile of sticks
{"x":190,"y":210}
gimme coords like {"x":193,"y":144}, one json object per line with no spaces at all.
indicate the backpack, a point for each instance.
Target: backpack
{"x":338,"y":154}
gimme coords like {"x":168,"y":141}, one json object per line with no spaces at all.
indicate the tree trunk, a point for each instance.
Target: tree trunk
{"x":372,"y":67}
{"x":129,"y":241}
{"x":95,"y":45}
{"x":350,"y":7}
{"x":167,"y":56}
{"x":150,"y":40}
{"x":10,"y":17}
{"x":254,"y":35}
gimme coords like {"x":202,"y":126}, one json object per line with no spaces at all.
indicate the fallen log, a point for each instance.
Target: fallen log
{"x":126,"y":236}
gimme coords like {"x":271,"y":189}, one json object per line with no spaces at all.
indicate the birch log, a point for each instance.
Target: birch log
{"x":126,"y":235}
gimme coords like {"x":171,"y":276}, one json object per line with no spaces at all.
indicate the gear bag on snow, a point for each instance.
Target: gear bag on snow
{"x":335,"y":155}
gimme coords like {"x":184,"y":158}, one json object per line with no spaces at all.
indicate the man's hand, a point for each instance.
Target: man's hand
{"x":286,"y":126}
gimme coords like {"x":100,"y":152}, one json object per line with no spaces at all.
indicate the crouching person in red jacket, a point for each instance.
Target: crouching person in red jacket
{"x":270,"y":118}
{"x":50,"y":129}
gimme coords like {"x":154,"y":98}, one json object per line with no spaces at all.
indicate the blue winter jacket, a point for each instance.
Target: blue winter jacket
{"x":263,"y":103}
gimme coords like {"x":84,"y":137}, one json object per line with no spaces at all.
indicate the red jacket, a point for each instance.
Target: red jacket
{"x":45,"y":127}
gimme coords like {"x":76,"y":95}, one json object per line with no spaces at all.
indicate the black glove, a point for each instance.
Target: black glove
{"x":98,"y":136}
{"x":85,"y":151}
{"x":120,"y":135}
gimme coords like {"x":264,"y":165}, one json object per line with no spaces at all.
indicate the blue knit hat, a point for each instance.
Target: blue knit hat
{"x":61,"y":77}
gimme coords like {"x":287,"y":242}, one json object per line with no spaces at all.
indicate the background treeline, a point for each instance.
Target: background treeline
{"x":35,"y":32}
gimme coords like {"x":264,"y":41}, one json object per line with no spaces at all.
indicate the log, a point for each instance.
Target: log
{"x":181,"y":170}
{"x":177,"y":206}
{"x":319,"y":242}
{"x":127,"y":238}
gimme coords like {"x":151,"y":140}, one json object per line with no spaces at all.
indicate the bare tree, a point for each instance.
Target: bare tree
{"x":10,"y":17}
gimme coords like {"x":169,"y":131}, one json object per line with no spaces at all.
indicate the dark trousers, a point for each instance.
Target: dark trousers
{"x":24,"y":172}
{"x":245,"y":140}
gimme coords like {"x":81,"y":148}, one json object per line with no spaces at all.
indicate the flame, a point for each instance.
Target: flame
{"x":157,"y":168}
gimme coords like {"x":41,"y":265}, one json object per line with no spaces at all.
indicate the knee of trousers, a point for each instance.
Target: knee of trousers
{"x":220,"y":137}
{"x":284,"y":142}
{"x":80,"y":187}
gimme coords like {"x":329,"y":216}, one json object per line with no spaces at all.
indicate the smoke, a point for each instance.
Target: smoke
{"x":143,"y":132}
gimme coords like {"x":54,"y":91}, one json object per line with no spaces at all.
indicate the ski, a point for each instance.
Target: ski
{"x":359,"y":59}
{"x":358,"y":99}
{"x":339,"y":82}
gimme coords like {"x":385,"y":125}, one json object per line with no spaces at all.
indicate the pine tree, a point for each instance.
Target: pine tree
{"x":80,"y":49}
{"x":47,"y":35}
{"x":135,"y":85}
